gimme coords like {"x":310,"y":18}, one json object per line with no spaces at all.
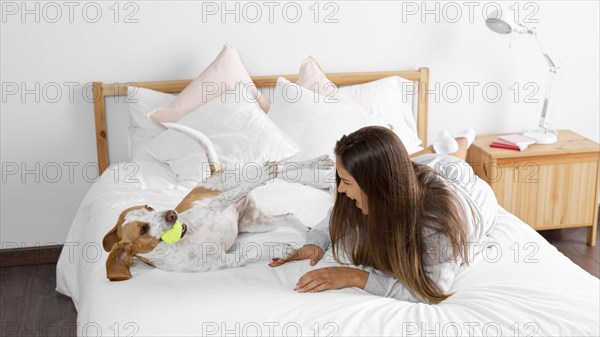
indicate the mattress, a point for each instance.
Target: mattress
{"x":519,"y":286}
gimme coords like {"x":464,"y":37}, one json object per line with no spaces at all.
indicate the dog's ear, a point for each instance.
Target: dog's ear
{"x":119,"y":261}
{"x":110,"y":238}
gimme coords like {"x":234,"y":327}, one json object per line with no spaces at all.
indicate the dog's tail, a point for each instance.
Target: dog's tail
{"x":200,"y":138}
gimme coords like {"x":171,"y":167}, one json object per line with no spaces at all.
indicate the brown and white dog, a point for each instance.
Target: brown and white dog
{"x":212,"y":215}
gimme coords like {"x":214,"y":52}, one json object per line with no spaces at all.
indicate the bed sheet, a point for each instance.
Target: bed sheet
{"x":519,"y":286}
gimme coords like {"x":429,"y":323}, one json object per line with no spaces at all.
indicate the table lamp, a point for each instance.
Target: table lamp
{"x":545,"y":134}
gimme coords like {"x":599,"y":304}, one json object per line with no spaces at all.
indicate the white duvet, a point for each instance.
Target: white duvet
{"x":520,"y":286}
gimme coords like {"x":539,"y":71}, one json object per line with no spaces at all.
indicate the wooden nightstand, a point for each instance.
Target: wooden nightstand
{"x":546,"y":186}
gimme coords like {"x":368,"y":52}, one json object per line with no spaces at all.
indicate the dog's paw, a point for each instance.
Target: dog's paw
{"x":323,"y":162}
{"x":287,"y":251}
{"x":269,"y":170}
{"x":289,"y":219}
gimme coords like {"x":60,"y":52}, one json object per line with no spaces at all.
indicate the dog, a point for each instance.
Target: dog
{"x":211,"y":216}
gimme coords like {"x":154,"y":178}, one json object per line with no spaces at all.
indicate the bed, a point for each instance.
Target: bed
{"x":519,"y":286}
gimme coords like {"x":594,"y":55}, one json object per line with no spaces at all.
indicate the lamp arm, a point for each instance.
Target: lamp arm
{"x":522,"y":29}
{"x":553,"y":67}
{"x":544,"y":123}
{"x":551,"y":64}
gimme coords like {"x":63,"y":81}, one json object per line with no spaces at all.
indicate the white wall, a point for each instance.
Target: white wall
{"x":171,"y":41}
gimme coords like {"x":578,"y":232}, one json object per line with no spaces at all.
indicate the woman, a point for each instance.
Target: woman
{"x":409,"y":223}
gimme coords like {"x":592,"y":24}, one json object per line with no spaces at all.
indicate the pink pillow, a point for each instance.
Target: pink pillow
{"x":224,"y":73}
{"x":312,"y":77}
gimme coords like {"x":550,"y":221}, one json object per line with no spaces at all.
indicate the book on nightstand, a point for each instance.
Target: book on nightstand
{"x":503,"y":145}
{"x":512,"y":142}
{"x":518,"y":140}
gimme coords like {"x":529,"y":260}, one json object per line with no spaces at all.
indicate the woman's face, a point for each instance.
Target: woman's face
{"x":350,"y":188}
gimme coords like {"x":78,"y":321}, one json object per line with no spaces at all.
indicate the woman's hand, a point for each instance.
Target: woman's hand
{"x":331,"y":278}
{"x":312,"y":252}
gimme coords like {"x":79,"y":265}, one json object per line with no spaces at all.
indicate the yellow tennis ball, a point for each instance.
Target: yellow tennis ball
{"x":174,"y":234}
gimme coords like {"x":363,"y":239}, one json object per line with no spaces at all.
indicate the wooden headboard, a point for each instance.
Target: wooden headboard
{"x":102,"y":90}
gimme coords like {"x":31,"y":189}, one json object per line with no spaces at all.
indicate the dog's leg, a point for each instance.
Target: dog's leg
{"x":319,"y":163}
{"x":227,"y":179}
{"x":254,"y":220}
{"x":223,"y":180}
{"x":267,"y":172}
{"x":317,"y":172}
{"x":209,"y":187}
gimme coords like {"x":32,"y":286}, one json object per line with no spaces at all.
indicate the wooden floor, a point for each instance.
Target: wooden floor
{"x":572,"y":243}
{"x":30,"y":306}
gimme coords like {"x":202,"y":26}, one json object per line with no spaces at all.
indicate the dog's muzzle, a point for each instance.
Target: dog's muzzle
{"x":171,"y":216}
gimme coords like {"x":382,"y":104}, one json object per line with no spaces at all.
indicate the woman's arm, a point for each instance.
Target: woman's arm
{"x":382,"y":284}
{"x":319,"y":235}
{"x":331,"y":278}
{"x":440,"y":266}
{"x":371,"y":280}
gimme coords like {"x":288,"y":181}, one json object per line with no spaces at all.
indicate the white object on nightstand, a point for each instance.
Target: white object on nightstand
{"x":545,"y":134}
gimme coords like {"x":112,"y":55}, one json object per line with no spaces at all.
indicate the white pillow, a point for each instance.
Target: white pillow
{"x":390,"y":99}
{"x":313,"y":123}
{"x":240,"y":131}
{"x":141,"y":130}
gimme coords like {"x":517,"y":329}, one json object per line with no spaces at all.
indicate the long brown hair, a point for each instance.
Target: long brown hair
{"x":404,"y":199}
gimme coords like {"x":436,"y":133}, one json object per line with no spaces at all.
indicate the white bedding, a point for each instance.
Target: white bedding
{"x":521,"y":286}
